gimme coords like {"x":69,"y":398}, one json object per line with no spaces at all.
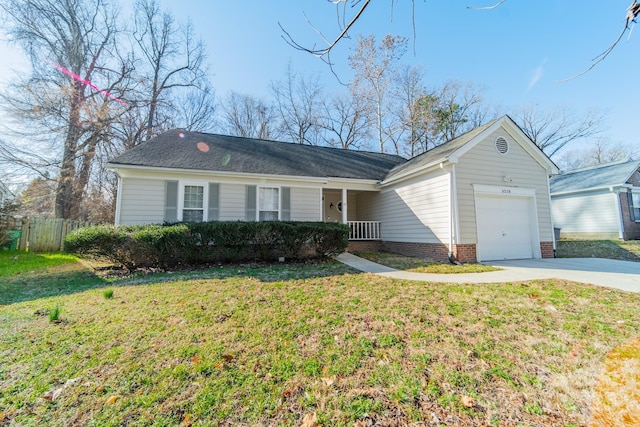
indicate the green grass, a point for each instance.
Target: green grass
{"x":612,"y":249}
{"x":267,"y":345}
{"x":20,"y":262}
{"x":419,"y":265}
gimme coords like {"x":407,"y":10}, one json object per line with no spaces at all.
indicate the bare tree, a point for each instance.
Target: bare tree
{"x":71,"y":97}
{"x":409,"y":89}
{"x":600,"y":151}
{"x":195,"y":110}
{"x":298,"y":101}
{"x":249,"y":117}
{"x":345,"y":122}
{"x":374,"y":66}
{"x":552,"y":130}
{"x":173,"y":60}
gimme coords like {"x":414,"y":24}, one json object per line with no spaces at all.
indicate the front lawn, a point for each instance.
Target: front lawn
{"x":315,"y":344}
{"x":613,"y":249}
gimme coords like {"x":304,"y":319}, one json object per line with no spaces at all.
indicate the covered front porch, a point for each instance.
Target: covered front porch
{"x":351,"y":207}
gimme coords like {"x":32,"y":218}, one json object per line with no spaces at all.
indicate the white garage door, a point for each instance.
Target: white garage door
{"x":505,"y":228}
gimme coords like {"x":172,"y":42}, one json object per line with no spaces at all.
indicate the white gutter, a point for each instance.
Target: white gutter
{"x":120,"y":168}
{"x":412,"y":172}
{"x":454,"y":224}
{"x":616,"y":197}
{"x":118,"y":199}
{"x":553,"y":231}
{"x":586,"y":190}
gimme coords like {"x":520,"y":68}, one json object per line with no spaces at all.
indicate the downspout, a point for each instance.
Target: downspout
{"x":553,"y":225}
{"x":620,"y":215}
{"x":118,"y":199}
{"x":453,"y":211}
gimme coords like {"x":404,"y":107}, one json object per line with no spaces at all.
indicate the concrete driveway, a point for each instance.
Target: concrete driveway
{"x":623,"y":275}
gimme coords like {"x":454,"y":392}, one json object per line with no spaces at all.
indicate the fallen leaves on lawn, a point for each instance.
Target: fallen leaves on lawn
{"x":328,"y":381}
{"x":54,"y":393}
{"x":112,"y":400}
{"x":310,"y":420}
{"x":616,"y":399}
{"x":467,"y":401}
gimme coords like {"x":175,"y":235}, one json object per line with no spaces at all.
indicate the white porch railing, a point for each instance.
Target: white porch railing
{"x":364,"y":230}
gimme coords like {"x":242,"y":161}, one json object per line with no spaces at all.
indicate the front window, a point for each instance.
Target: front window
{"x":635,"y":206}
{"x":193,"y":207}
{"x":268,"y":204}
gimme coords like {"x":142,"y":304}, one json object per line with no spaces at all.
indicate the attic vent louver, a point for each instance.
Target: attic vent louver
{"x":502,"y":145}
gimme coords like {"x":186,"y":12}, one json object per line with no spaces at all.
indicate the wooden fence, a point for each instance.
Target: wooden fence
{"x":43,"y":234}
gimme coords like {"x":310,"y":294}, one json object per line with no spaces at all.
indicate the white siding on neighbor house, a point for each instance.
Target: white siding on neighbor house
{"x":595,"y":212}
{"x":415,"y":211}
{"x":305,"y":204}
{"x":142,"y":201}
{"x":232,"y":202}
{"x":484,"y":165}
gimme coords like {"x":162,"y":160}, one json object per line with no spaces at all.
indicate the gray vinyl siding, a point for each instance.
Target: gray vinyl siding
{"x":484,"y":165}
{"x":586,"y":213}
{"x":305,"y":204}
{"x":415,"y":211}
{"x":142,"y":201}
{"x":232,"y":202}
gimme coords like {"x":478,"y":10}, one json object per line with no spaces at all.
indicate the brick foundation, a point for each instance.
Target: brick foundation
{"x":364,"y":245}
{"x":546,"y":249}
{"x":465,"y":253}
{"x":435,"y":251}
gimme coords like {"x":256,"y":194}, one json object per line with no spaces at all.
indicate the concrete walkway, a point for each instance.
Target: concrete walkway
{"x":623,"y":275}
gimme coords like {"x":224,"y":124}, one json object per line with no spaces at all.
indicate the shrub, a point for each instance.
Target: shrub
{"x":174,"y":244}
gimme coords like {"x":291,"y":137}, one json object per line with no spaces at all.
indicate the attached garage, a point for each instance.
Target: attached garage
{"x":507,"y":223}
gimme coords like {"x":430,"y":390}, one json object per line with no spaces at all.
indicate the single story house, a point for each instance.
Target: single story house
{"x":482,"y":196}
{"x":601,"y":202}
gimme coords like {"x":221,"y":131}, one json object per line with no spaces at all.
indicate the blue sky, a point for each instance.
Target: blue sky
{"x":515,"y":52}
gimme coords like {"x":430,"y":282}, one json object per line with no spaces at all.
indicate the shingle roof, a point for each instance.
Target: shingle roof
{"x":594,"y":177}
{"x":209,"y":152}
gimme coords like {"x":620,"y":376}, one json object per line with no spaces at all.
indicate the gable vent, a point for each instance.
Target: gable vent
{"x":502,"y":145}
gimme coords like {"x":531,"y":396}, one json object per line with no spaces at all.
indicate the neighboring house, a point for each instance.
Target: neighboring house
{"x":601,"y":202}
{"x":482,"y":196}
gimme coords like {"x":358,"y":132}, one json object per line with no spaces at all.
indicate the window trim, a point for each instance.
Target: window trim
{"x":205,"y":198}
{"x":258,"y":210}
{"x":634,"y":210}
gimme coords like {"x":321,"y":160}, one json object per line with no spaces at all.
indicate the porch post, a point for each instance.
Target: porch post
{"x":344,"y":206}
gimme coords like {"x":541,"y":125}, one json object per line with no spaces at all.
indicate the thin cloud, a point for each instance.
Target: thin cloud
{"x":537,"y":75}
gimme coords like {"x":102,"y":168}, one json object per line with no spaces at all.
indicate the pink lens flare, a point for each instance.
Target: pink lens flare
{"x":202,"y":146}
{"x":84,"y":81}
{"x":181,"y":135}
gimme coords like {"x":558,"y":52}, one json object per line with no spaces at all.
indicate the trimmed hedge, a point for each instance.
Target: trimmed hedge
{"x":171,"y":245}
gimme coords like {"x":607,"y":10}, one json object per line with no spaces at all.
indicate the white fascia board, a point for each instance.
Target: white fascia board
{"x":533,"y":150}
{"x":474,"y":141}
{"x":516,"y":133}
{"x":608,"y":188}
{"x":435,"y":164}
{"x":127,"y":171}
{"x":351,"y":184}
